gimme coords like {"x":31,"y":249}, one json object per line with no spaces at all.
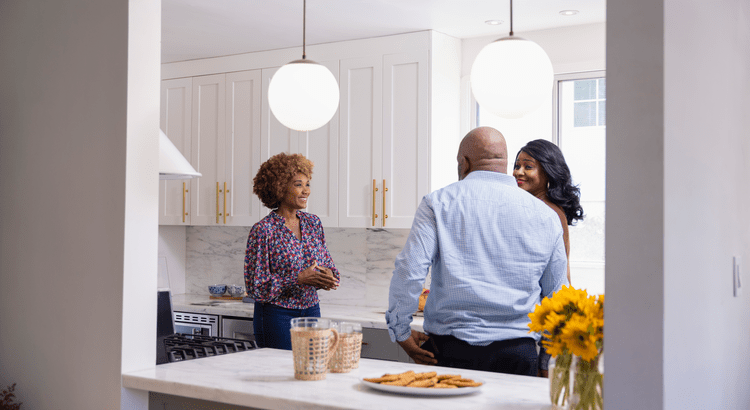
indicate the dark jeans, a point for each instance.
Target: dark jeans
{"x":514,"y":356}
{"x":271,"y":324}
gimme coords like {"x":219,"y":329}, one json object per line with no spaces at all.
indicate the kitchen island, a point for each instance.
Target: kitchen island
{"x":264,"y":379}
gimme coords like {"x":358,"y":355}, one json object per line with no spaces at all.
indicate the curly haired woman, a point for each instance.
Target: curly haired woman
{"x":540,"y":169}
{"x":287,"y":260}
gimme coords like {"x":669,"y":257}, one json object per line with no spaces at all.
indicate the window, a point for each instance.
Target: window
{"x":589,"y":102}
{"x":575,"y":119}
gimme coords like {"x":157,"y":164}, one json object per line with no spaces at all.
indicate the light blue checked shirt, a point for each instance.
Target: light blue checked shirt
{"x":495,"y":251}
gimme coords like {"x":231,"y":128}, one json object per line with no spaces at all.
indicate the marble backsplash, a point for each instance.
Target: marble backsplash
{"x":365,"y":258}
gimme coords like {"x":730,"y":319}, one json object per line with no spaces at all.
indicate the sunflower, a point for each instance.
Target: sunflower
{"x":575,"y":335}
{"x":539,"y":315}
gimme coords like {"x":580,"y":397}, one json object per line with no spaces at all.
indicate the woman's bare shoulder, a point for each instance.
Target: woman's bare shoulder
{"x":560,"y":213}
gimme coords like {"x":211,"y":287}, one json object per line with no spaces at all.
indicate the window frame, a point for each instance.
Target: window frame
{"x":556,"y":90}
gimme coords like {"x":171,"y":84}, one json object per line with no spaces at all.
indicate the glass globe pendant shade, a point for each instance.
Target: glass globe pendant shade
{"x":511,"y":77}
{"x":303,"y":95}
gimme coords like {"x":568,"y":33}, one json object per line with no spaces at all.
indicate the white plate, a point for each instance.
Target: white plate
{"x":421,"y":391}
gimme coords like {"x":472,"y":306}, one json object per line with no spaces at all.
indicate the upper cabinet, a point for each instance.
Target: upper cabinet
{"x":242,"y":147}
{"x":176,"y":114}
{"x":222,"y":142}
{"x":372,"y":160}
{"x":384,"y":139}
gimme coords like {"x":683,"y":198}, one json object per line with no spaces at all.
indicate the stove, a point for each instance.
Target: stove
{"x":180,"y":346}
{"x":176,"y":347}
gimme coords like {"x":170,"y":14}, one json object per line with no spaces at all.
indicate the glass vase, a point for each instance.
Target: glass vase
{"x":559,"y":379}
{"x":586,"y":384}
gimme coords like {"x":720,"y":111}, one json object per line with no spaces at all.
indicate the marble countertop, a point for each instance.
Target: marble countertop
{"x":367,"y":316}
{"x":264,"y":378}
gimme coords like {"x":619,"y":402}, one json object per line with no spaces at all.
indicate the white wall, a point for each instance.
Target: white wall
{"x":141,"y":194}
{"x":75,"y":256}
{"x":445,"y":106}
{"x":634,"y":309}
{"x":707,"y":203}
{"x":677,"y":169}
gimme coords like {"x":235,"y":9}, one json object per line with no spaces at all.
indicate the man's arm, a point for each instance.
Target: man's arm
{"x":555,"y":274}
{"x":411,"y":268}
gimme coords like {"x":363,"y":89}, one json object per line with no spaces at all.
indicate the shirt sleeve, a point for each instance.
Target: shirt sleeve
{"x":263,"y":284}
{"x":555,"y":274}
{"x":412,"y":266}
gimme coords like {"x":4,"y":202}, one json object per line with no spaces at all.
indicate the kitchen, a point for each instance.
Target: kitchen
{"x":217,"y":224}
{"x":110,"y":256}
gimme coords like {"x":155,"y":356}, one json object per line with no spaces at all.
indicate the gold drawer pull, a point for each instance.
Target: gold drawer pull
{"x":384,"y":191}
{"x":225,"y":203}
{"x":217,"y":201}
{"x":183,"y":202}
{"x":374,"y":190}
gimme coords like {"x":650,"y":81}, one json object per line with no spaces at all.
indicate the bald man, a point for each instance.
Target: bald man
{"x":494,"y":252}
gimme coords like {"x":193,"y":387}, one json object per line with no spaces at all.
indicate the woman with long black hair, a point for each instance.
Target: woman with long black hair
{"x":540,"y":169}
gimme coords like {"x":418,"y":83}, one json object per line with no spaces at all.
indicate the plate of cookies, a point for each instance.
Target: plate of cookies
{"x":424,"y":384}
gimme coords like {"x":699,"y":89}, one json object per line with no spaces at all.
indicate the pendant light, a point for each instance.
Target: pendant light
{"x":303,"y":95}
{"x":511,"y":76}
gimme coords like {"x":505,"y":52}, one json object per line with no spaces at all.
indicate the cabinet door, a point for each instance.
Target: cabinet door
{"x":243,"y":106}
{"x":376,"y":344}
{"x":208,"y":150}
{"x":321,"y":146}
{"x":176,"y":111}
{"x":405,"y":136}
{"x":360,"y":141}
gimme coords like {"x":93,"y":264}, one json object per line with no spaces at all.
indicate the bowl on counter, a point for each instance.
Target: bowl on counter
{"x":236,"y":290}
{"x":217,"y":290}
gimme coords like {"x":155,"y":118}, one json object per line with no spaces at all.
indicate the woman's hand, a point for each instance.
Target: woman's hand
{"x":318,"y":276}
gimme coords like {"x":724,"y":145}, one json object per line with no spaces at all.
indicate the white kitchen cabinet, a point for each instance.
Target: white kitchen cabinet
{"x":384,"y":139}
{"x":176,"y":112}
{"x":405,"y":136}
{"x":361,"y":140}
{"x":208,"y":148}
{"x":385,"y":148}
{"x":221,"y":139}
{"x":320,"y":146}
{"x":243,"y":154}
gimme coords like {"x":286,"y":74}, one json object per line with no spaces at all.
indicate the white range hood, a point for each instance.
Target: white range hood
{"x":172,"y":164}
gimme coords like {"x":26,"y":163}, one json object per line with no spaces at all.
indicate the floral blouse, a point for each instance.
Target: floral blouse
{"x":275,"y":256}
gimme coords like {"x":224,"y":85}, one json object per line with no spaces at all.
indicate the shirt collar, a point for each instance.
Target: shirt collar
{"x":281,"y":219}
{"x":504,"y":179}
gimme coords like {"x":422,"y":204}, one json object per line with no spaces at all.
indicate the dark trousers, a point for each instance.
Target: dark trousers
{"x":514,"y":356}
{"x":271,"y":324}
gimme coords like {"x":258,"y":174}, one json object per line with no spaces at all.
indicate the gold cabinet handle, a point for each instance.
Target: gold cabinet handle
{"x":217,"y":201}
{"x":225,"y":203}
{"x":374,"y":190}
{"x":384,"y":191}
{"x":183,"y":202}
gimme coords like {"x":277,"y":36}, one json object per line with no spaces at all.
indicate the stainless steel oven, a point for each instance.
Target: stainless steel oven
{"x":196,"y":324}
{"x":237,"y":328}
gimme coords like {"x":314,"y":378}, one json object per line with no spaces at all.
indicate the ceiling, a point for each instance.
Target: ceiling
{"x":194,"y":29}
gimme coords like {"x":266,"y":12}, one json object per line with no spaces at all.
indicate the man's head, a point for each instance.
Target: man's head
{"x":482,"y":149}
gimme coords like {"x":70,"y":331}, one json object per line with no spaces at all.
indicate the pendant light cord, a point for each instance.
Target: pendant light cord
{"x":304,"y":17}
{"x":511,"y":17}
